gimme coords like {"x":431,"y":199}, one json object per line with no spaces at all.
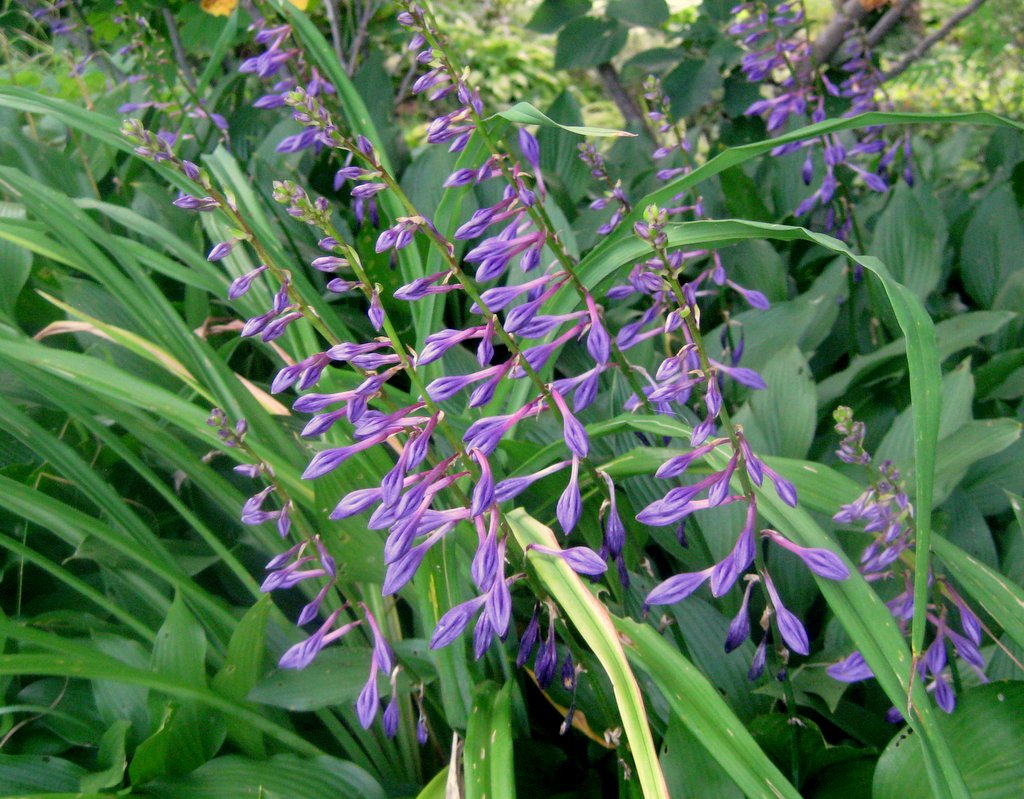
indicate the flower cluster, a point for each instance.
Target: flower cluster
{"x":779,"y":51}
{"x":442,"y":477}
{"x":886,"y":513}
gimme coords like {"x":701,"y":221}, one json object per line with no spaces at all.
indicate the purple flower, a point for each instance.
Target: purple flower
{"x":369,"y":700}
{"x":451,"y":625}
{"x":575,"y":434}
{"x":820,"y":561}
{"x":570,"y":503}
{"x":220,"y":251}
{"x":739,"y":627}
{"x":790,"y":627}
{"x":677,"y":588}
{"x":581,"y":560}
{"x":852,"y":668}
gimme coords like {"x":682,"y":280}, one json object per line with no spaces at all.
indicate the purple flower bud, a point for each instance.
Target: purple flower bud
{"x":944,"y":696}
{"x":677,"y":588}
{"x":513,"y":486}
{"x":575,"y":434}
{"x":220,"y":250}
{"x":570,"y":503}
{"x":376,"y":312}
{"x":369,"y":700}
{"x":530,"y":148}
{"x":482,"y":635}
{"x":790,"y":627}
{"x":240,"y":285}
{"x":547,"y":658}
{"x":529,"y":638}
{"x":483,"y":491}
{"x":451,"y":625}
{"x":851,"y":669}
{"x":757,"y":664}
{"x":820,"y":561}
{"x":390,"y":718}
{"x":739,"y":627}
{"x":581,"y":560}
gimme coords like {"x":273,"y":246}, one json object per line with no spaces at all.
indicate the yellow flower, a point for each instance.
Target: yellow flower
{"x":223,"y":8}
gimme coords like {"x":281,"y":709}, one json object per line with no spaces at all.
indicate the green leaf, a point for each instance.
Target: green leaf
{"x":973,"y":442}
{"x":697,"y":703}
{"x":20,"y":774}
{"x":551,"y":15}
{"x":993,"y":242}
{"x":81,"y":661}
{"x":780,"y":419}
{"x":1001,"y":598}
{"x":589,"y":41}
{"x":689,"y":772}
{"x":241,"y":670}
{"x":526,"y":114}
{"x":15,"y":262}
{"x":189,"y":735}
{"x":235,"y":777}
{"x":503,"y":775}
{"x":951,"y":335}
{"x":437,"y":787}
{"x":911,"y":239}
{"x":591,"y":618}
{"x":648,"y":13}
{"x":112,"y":756}
{"x":476,"y":766}
{"x":335,"y":678}
{"x":692,"y":84}
{"x":988,"y":727}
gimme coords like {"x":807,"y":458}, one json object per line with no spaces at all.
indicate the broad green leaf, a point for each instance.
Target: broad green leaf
{"x":911,"y":239}
{"x":689,"y":772}
{"x":526,"y":114}
{"x":111,"y":757}
{"x":591,"y":618}
{"x":780,"y":419}
{"x":973,"y":442}
{"x":648,"y":13}
{"x":235,"y":777}
{"x":436,"y":788}
{"x":78,"y":660}
{"x":589,"y":41}
{"x":551,"y":15}
{"x":241,"y":670}
{"x":951,"y":335}
{"x":45,"y":774}
{"x":992,"y":245}
{"x":189,"y":734}
{"x":988,"y":727}
{"x":334,"y":679}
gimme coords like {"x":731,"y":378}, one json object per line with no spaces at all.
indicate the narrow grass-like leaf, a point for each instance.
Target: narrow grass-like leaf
{"x":476,"y":766}
{"x":697,"y":703}
{"x":595,"y":625}
{"x":527,"y":114}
